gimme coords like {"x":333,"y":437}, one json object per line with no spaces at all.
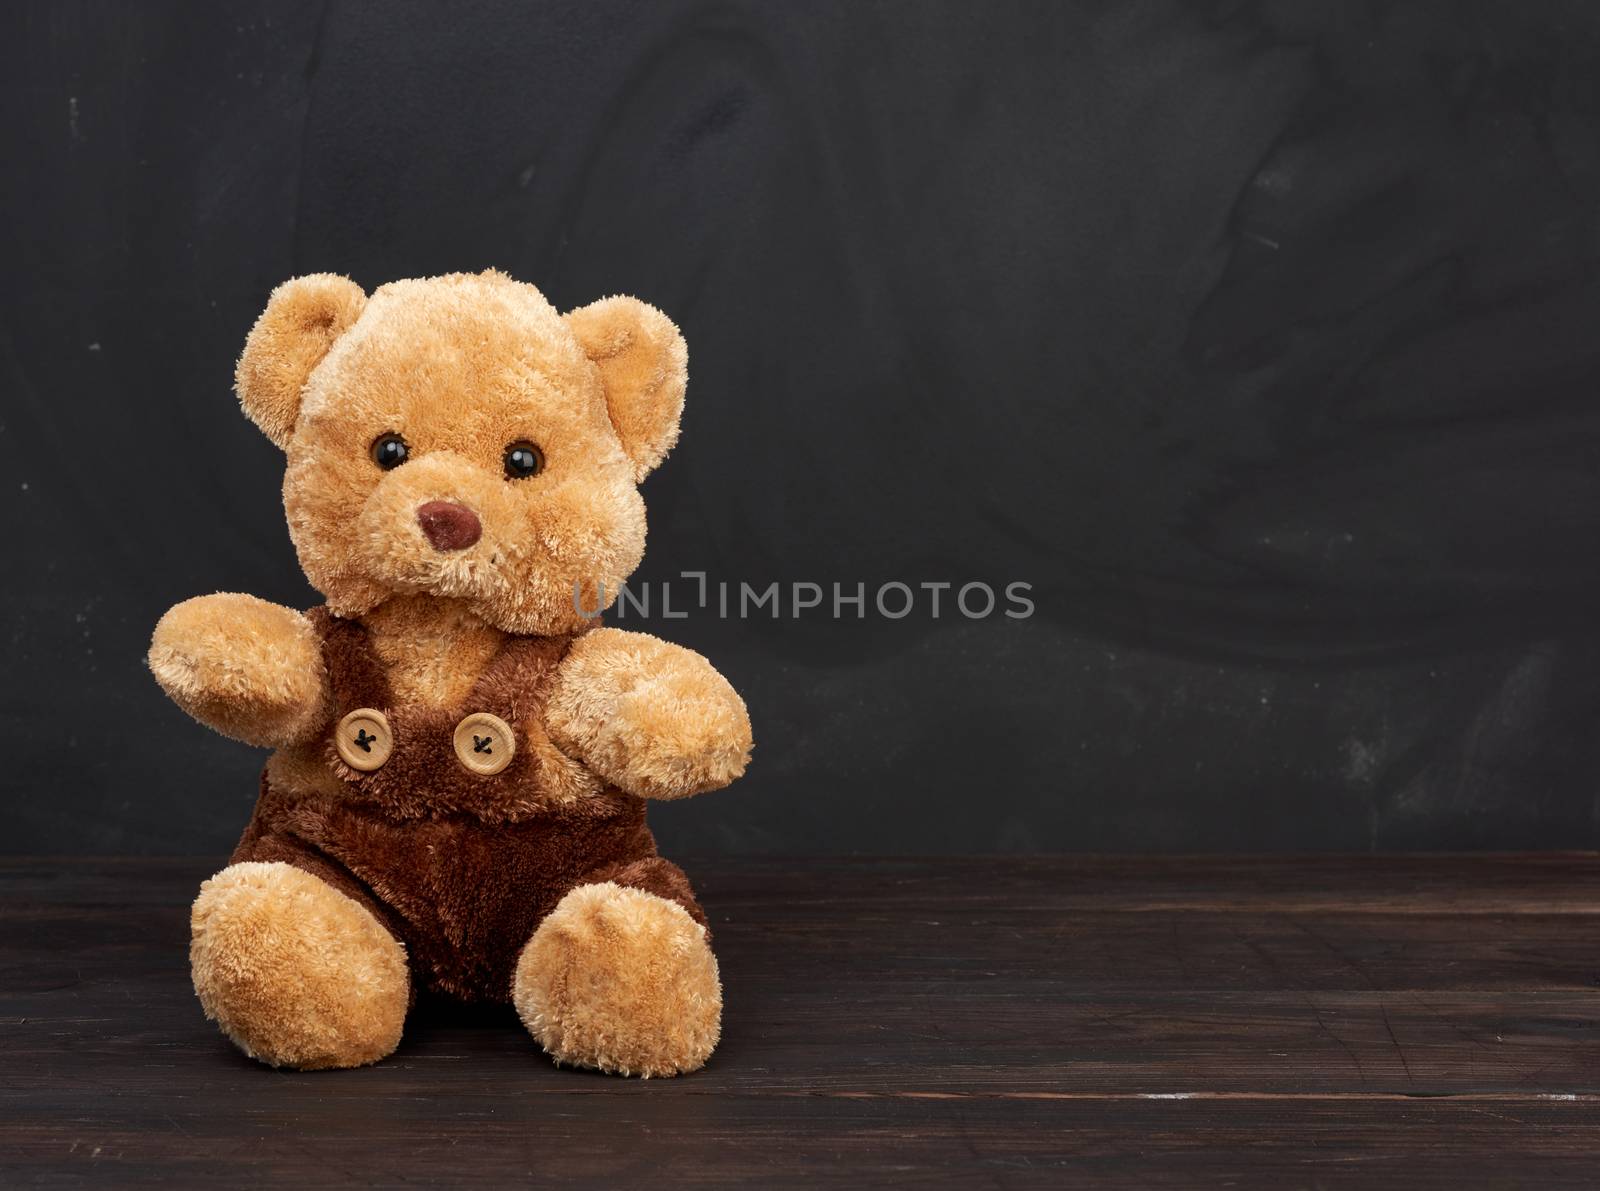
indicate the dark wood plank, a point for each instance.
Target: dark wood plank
{"x":1266,"y":1022}
{"x":733,"y":1141}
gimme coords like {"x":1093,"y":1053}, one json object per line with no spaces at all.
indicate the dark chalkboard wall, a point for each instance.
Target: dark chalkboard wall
{"x":1262,"y":339}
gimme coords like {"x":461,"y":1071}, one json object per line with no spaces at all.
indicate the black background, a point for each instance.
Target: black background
{"x":1263,"y":339}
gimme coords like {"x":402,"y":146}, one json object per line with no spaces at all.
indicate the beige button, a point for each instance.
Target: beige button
{"x":364,"y":740}
{"x":484,"y":743}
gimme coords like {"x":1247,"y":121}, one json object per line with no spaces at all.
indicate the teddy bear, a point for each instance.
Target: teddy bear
{"x":463,"y":751}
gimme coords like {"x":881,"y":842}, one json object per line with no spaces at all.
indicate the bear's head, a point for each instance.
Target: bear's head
{"x":457,"y":437}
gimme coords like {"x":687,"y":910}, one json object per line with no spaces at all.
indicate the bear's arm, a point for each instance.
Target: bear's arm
{"x":250,"y":669}
{"x":653,"y":719}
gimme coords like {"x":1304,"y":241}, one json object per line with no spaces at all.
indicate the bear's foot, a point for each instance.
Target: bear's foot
{"x":620,"y":980}
{"x":295,"y":972}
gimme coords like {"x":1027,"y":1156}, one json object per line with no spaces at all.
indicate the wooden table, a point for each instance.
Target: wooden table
{"x":1275,"y":1022}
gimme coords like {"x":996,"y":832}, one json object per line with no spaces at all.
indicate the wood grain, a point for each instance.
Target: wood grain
{"x":1327,"y":1022}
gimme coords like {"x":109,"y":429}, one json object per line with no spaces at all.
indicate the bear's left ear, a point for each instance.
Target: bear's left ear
{"x":644,"y":364}
{"x":302,"y":319}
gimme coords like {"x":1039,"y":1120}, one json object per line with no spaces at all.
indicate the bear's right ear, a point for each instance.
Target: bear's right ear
{"x":302,"y":319}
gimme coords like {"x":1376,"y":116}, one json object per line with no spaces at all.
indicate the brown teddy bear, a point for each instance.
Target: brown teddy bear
{"x":457,"y":797}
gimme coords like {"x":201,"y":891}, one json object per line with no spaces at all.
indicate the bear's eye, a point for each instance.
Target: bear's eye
{"x":389,"y":451}
{"x":523,"y":459}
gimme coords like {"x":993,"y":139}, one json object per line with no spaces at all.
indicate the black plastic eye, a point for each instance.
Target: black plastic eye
{"x":389,"y":451}
{"x":523,"y":459}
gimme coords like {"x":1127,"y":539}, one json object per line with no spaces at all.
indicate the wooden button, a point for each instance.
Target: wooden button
{"x":484,"y":743}
{"x":363,"y":739}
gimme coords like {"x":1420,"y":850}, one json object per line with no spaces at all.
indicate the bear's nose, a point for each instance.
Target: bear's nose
{"x":449,"y":526}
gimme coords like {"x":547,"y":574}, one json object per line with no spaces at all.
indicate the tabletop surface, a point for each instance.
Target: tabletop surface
{"x":1277,"y":1022}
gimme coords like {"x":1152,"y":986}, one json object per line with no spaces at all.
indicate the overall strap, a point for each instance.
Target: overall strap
{"x":354,"y":671}
{"x":517,"y":680}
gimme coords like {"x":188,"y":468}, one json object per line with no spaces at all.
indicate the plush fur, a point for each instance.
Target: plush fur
{"x":649,"y":717}
{"x":623,"y":981}
{"x":302,"y":320}
{"x":295,"y":972}
{"x":540,"y":882}
{"x":250,"y":669}
{"x":508,"y":368}
{"x":640,"y":353}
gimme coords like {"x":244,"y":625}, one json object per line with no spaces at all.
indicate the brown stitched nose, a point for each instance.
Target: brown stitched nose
{"x":449,"y":526}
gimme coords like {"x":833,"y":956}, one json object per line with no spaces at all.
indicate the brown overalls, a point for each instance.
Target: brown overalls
{"x":460,"y":863}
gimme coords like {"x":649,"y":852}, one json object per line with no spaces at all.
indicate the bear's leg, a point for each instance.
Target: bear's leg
{"x":295,"y":972}
{"x":621,"y":980}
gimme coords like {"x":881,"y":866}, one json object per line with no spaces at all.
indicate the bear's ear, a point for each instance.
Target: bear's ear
{"x":644,"y":364}
{"x":302,"y":319}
